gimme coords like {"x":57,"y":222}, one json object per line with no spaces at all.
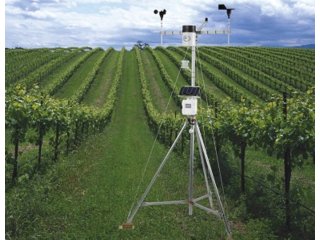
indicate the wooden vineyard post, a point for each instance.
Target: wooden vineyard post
{"x":40,"y":142}
{"x":16,"y":153}
{"x":56,"y":142}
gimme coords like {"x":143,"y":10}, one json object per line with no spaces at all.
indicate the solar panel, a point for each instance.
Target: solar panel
{"x":190,"y":91}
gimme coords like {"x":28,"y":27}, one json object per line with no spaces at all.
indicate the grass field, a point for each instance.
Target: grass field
{"x":88,"y":193}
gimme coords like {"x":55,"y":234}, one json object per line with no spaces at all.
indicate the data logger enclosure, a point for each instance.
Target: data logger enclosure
{"x":189,"y":107}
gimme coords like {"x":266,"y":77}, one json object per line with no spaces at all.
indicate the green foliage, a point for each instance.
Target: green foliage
{"x":263,"y":69}
{"x":244,"y":80}
{"x":227,"y":87}
{"x":86,"y":83}
{"x":256,"y":229}
{"x":62,"y":77}
{"x":35,"y":110}
{"x":165,"y":76}
{"x":19,"y":67}
{"x":265,"y":126}
{"x":211,"y":98}
{"x":247,"y":122}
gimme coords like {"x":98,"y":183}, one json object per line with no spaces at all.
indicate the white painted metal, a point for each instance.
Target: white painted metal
{"x":191,"y":166}
{"x":216,"y":191}
{"x":176,"y":202}
{"x":161,"y":33}
{"x":172,"y":33}
{"x":185,"y":64}
{"x":200,"y":198}
{"x":229,"y":30}
{"x":214,"y":32}
{"x":208,"y":210}
{"x":204,"y":169}
{"x":189,"y":39}
{"x":193,"y":66}
{"x":189,"y":106}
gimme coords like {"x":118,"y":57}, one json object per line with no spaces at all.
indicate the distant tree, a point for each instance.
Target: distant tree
{"x":141,"y":45}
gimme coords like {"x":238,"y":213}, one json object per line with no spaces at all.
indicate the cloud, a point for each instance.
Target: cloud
{"x":106,"y":22}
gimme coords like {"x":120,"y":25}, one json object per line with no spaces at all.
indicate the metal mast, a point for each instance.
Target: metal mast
{"x":161,"y":14}
{"x":229,"y":11}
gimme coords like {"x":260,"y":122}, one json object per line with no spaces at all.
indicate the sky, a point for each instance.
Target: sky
{"x":118,"y":23}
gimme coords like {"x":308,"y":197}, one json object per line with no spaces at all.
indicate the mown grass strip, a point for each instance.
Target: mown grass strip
{"x":88,"y":80}
{"x":171,"y":68}
{"x":74,"y":83}
{"x":98,"y":92}
{"x":52,"y":85}
{"x":160,"y":91}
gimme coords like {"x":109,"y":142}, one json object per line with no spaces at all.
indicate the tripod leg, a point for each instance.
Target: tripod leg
{"x":205,"y":173}
{"x":191,"y":163}
{"x":135,"y":210}
{"x":224,"y":217}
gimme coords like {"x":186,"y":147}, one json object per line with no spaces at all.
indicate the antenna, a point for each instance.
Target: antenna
{"x":161,"y":14}
{"x":228,"y":10}
{"x":190,"y":95}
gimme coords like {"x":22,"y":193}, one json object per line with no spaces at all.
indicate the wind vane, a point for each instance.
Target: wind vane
{"x":228,"y":10}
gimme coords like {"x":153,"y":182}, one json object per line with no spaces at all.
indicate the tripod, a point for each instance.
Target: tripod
{"x":189,"y":109}
{"x":191,"y":201}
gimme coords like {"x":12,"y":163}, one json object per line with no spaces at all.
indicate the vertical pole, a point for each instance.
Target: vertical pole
{"x":191,"y":161}
{"x":284,"y":105}
{"x":229,"y":30}
{"x":243,"y":146}
{"x":40,"y":142}
{"x":16,"y":154}
{"x":193,"y":83}
{"x":161,"y":33}
{"x":56,"y":142}
{"x":193,"y":66}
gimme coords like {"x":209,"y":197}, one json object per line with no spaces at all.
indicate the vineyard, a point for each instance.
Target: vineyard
{"x":80,"y":124}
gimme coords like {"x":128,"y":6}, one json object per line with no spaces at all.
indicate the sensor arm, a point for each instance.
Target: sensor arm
{"x":202,"y":25}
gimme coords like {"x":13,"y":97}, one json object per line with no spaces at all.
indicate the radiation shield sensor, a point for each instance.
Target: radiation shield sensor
{"x":189,"y":35}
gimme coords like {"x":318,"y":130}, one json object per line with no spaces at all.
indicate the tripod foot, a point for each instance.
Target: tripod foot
{"x":126,"y":226}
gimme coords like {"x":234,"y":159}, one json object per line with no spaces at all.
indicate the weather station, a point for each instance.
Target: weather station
{"x":190,"y":96}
